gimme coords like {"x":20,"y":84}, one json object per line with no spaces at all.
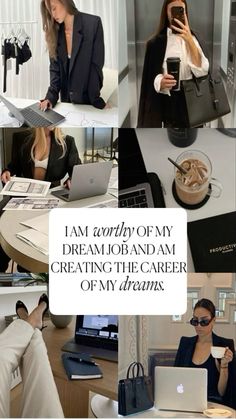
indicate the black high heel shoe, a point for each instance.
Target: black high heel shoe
{"x":44,"y":299}
{"x":20,"y":304}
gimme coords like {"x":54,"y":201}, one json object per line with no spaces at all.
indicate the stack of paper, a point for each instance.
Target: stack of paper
{"x":19,"y":186}
{"x":37,"y":235}
{"x":32,"y":203}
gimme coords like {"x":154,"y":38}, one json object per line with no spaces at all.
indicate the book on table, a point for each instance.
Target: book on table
{"x":213,"y":243}
{"x":80,"y":367}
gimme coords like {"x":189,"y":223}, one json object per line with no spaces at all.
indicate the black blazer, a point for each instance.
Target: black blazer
{"x":151,"y":103}
{"x":23,"y":166}
{"x":84,"y":79}
{"x":184,"y":358}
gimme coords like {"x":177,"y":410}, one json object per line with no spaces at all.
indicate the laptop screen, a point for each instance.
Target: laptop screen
{"x":132,"y":170}
{"x":97,"y":330}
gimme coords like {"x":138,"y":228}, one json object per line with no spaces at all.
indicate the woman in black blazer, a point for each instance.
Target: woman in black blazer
{"x":76,"y":49}
{"x":195,"y":352}
{"x":43,"y":154}
{"x":159,"y":105}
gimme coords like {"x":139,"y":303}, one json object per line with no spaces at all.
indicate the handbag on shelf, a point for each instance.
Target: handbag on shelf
{"x":205,"y":98}
{"x":135,"y":392}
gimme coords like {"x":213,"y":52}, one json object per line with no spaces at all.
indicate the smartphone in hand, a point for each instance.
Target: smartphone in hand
{"x":177,"y":12}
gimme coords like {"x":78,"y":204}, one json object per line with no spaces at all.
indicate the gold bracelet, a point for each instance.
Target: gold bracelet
{"x":222,"y":368}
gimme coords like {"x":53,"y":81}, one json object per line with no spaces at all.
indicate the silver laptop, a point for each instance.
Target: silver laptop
{"x":134,"y":186}
{"x":87,"y":180}
{"x":183,"y":389}
{"x":32,"y":116}
{"x":96,"y":335}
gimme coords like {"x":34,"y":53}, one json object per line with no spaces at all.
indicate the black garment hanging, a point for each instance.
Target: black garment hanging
{"x":7,"y":51}
{"x":13,"y":48}
{"x":23,"y":55}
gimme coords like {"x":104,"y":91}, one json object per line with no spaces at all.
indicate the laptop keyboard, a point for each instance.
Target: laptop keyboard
{"x":136,"y":199}
{"x":34,"y":118}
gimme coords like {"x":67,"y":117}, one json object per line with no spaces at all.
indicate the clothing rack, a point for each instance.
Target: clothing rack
{"x":28,"y":22}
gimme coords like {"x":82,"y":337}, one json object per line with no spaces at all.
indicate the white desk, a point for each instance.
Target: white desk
{"x":102,"y":407}
{"x":76,"y":115}
{"x":23,"y":254}
{"x":221,"y":150}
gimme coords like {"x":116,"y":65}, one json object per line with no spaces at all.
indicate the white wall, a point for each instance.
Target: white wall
{"x":79,"y":136}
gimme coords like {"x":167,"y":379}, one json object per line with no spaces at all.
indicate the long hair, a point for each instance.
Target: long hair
{"x":164,"y":21}
{"x":50,"y":26}
{"x":40,"y":138}
{"x":207,"y":304}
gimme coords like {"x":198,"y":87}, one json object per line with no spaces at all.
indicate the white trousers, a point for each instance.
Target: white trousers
{"x":21,"y":345}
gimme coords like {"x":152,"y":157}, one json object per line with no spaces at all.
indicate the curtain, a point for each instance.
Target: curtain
{"x":133,"y":342}
{"x":108,"y":11}
{"x":33,"y":80}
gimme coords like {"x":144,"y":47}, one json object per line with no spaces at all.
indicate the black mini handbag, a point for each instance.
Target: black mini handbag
{"x":135,"y":392}
{"x":205,"y":98}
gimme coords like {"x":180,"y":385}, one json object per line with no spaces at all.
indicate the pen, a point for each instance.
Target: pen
{"x":82,"y":360}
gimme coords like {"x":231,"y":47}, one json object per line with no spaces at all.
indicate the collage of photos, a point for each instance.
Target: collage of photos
{"x":117,"y":104}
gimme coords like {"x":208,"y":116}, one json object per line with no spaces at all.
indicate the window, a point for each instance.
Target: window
{"x":223,"y":297}
{"x":193,"y":297}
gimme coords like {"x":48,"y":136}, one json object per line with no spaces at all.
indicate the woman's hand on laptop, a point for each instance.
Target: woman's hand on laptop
{"x":44,"y":105}
{"x":6,"y":176}
{"x":67,"y":183}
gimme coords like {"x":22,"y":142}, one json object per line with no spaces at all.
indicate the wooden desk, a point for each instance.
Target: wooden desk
{"x":74,"y":395}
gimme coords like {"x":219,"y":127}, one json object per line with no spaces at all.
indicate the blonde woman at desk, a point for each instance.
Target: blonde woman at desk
{"x":22,"y":344}
{"x":43,"y":154}
{"x":195,"y":352}
{"x":76,"y":49}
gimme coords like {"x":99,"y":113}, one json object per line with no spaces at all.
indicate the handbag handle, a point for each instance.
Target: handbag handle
{"x":132,"y":367}
{"x":215,"y":100}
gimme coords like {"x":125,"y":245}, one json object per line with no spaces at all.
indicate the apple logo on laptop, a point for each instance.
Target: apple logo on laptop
{"x":91,"y":180}
{"x":180,"y":388}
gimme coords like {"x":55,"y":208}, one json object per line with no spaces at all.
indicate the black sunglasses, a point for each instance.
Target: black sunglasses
{"x":203,"y":322}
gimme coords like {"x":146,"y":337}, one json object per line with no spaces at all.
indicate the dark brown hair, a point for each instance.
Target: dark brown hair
{"x":164,"y":21}
{"x":208,"y":305}
{"x":50,"y":26}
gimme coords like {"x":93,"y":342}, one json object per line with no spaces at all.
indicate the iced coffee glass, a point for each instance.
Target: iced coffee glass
{"x":193,"y":185}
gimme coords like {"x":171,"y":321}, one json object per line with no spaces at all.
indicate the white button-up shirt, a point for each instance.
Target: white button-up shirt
{"x":176,"y":47}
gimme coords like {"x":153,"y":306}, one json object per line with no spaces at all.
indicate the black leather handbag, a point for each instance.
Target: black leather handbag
{"x":135,"y":392}
{"x":205,"y":98}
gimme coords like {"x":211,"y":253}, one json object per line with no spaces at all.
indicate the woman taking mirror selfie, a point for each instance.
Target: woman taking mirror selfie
{"x":76,"y":49}
{"x":196,"y":352}
{"x":43,"y":154}
{"x":162,"y":101}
